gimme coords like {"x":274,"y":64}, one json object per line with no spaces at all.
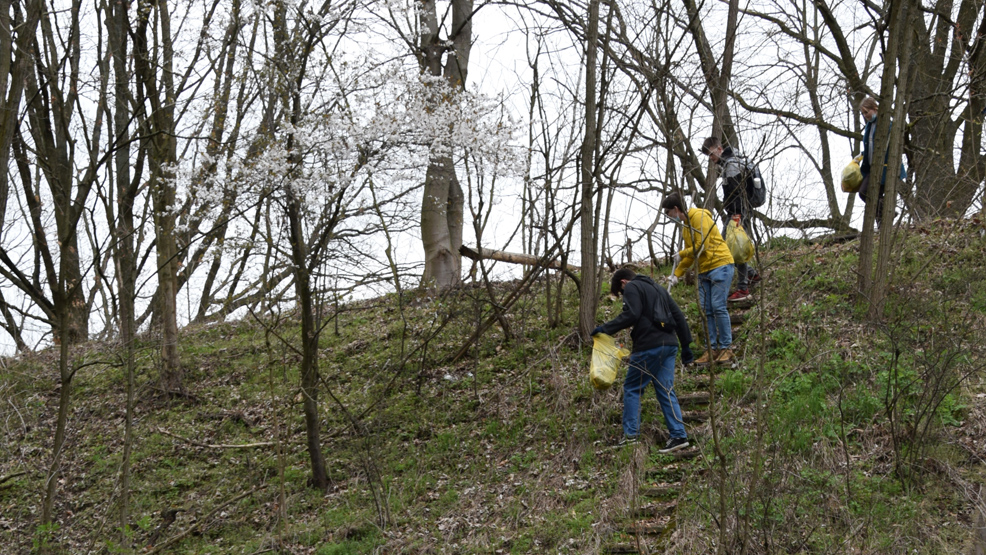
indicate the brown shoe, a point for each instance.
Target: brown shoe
{"x":725,"y":356}
{"x":705,"y":358}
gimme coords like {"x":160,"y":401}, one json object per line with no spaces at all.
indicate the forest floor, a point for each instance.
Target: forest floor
{"x":832,"y":434}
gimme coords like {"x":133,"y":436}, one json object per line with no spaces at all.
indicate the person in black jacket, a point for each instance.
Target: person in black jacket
{"x":655,"y":345}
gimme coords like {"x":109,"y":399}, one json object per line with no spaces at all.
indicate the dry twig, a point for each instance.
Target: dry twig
{"x":214,"y":445}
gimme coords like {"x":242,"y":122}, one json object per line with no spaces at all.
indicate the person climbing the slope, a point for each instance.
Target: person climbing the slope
{"x":735,"y":202}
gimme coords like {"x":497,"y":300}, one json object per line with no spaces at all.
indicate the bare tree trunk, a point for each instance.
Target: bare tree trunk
{"x":160,"y":93}
{"x":126,"y":265}
{"x":164,"y":224}
{"x":296,"y":56}
{"x":881,"y":142}
{"x":716,"y":78}
{"x":936,"y":62}
{"x":309,"y":342}
{"x":480,"y":253}
{"x":864,"y":278}
{"x":52,"y":87}
{"x":61,"y":424}
{"x":900,"y":26}
{"x":442,"y":205}
{"x":589,"y":292}
{"x":12,"y":75}
{"x":441,"y":223}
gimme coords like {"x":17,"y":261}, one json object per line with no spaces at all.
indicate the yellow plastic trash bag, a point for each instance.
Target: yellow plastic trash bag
{"x":852,"y":177}
{"x":738,"y":241}
{"x":606,"y":358}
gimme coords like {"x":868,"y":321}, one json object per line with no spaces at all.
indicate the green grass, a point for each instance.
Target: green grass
{"x":506,"y":450}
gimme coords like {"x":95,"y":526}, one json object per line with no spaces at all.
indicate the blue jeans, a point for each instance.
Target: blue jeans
{"x":713,"y":289}
{"x":654,"y":366}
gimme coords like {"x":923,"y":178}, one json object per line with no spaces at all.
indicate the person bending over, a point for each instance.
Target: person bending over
{"x":659,"y":326}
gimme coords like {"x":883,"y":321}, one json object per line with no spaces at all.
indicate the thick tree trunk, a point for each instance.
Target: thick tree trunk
{"x":171,"y":380}
{"x":931,"y":138}
{"x":76,"y":328}
{"x":442,"y":205}
{"x":939,"y":55}
{"x":441,"y":224}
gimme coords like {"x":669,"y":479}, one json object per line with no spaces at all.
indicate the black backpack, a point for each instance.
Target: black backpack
{"x":756,"y":188}
{"x":659,"y":313}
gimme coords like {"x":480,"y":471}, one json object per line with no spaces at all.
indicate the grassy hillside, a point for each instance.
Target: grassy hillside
{"x":832,"y":435}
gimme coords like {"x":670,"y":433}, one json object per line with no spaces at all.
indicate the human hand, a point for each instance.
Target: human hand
{"x":597,"y":330}
{"x":687,"y":358}
{"x":677,"y":259}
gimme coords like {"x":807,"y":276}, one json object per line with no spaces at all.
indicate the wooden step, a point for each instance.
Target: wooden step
{"x":693,"y":399}
{"x":654,"y":510}
{"x":668,"y":474}
{"x":661,"y":492}
{"x":645,"y":528}
{"x":690,"y":383}
{"x":694,"y":416}
{"x":685,"y":454}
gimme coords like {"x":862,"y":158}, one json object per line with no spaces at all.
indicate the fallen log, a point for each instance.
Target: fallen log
{"x":514,"y":258}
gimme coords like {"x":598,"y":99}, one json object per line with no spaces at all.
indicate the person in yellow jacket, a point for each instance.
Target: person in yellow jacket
{"x":715,"y":272}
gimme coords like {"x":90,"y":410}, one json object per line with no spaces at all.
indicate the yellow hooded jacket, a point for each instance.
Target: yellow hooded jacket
{"x":713,"y":253}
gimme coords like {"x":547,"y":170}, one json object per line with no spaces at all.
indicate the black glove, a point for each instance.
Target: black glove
{"x":597,"y":330}
{"x":687,"y":358}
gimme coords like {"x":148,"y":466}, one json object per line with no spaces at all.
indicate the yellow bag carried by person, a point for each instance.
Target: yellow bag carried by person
{"x":852,"y":177}
{"x":738,"y":241}
{"x":606,"y":358}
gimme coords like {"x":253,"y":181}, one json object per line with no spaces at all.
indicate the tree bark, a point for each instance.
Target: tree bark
{"x":441,"y":223}
{"x":898,"y":49}
{"x":12,"y":75}
{"x":118,"y":26}
{"x":939,"y":188}
{"x":442,"y":206}
{"x":589,"y":292}
{"x":480,"y":253}
{"x":160,"y":124}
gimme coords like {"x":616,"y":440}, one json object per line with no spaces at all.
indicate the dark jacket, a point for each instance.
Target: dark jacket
{"x":869,"y":145}
{"x":647,"y":335}
{"x":733,"y":174}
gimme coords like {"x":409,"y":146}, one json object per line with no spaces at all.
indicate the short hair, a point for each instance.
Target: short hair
{"x":709,"y":144}
{"x":869,"y":103}
{"x":615,"y":284}
{"x":673,"y":201}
